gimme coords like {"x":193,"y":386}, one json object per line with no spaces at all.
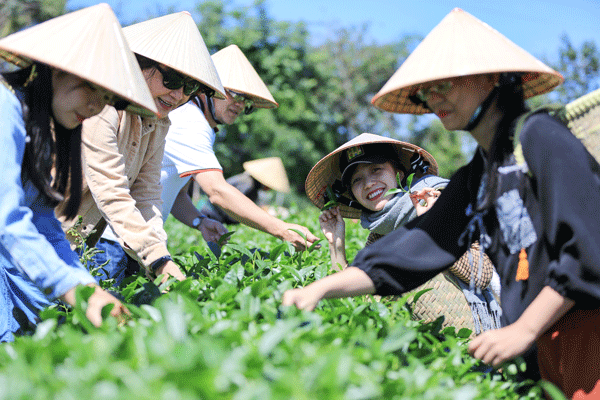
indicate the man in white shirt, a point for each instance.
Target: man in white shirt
{"x":189,"y":152}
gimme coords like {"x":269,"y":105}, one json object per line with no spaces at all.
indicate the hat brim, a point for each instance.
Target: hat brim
{"x":327,"y":171}
{"x":175,"y":41}
{"x":89,"y":44}
{"x":461,"y":45}
{"x":239,"y":75}
{"x":270,"y":172}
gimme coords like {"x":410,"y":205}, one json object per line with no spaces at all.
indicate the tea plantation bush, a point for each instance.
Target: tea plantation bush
{"x":222,"y":334}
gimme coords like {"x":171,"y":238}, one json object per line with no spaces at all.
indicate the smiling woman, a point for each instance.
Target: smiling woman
{"x":42,"y":106}
{"x":362,"y":177}
{"x":123,"y":152}
{"x":74,"y":99}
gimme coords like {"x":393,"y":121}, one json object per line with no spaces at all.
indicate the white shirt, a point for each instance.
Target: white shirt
{"x":188,"y":150}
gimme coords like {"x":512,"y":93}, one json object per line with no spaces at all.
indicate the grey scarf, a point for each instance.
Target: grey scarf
{"x":399,"y":209}
{"x":485,"y":309}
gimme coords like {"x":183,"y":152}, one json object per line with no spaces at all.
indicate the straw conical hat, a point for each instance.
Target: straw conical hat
{"x":88,"y":43}
{"x":327,"y":171}
{"x":462,"y":45}
{"x":270,"y":172}
{"x":239,"y":75}
{"x":175,"y":41}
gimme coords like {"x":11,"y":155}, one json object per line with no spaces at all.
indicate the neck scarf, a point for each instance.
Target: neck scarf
{"x":399,"y":209}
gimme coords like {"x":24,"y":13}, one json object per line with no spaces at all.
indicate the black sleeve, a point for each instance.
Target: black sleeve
{"x":411,"y":255}
{"x":567,"y":179}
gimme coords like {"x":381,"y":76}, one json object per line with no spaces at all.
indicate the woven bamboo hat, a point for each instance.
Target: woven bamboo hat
{"x":462,"y":45}
{"x":326,"y":173}
{"x":87,"y":43}
{"x":175,"y":41}
{"x":270,"y":172}
{"x":239,"y":75}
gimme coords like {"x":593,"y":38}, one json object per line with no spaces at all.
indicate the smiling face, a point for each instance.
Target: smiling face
{"x":166,"y":100}
{"x":456,"y":104}
{"x":228,"y":110}
{"x":74,"y":99}
{"x":370,"y":183}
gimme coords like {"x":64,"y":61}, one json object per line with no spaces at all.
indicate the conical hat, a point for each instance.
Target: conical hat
{"x":88,"y":43}
{"x":270,"y":172}
{"x":462,"y":45}
{"x":175,"y":41}
{"x":327,"y":171}
{"x":239,"y":75}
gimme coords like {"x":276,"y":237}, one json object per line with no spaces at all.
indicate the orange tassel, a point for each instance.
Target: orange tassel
{"x":523,"y":267}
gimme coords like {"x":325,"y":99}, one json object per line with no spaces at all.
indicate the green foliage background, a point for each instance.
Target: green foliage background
{"x":323,"y":85}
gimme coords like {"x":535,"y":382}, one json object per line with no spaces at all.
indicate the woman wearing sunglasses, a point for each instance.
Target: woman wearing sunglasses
{"x":60,"y":83}
{"x":189,"y":152}
{"x":122,"y":152}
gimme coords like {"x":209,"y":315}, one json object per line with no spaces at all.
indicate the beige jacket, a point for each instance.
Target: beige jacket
{"x":122,"y":158}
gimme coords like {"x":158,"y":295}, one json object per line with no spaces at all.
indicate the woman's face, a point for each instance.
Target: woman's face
{"x":455,"y":100}
{"x":370,"y":183}
{"x":74,"y":99}
{"x":166,"y":100}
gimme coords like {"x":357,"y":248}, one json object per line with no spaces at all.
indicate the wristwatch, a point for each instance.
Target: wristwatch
{"x":197,"y":221}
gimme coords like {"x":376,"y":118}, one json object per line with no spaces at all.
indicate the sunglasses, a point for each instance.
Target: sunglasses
{"x":173,"y":80}
{"x":242,"y":98}
{"x":441,"y":88}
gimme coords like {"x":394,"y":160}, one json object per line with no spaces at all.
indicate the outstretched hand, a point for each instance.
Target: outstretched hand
{"x":424,"y":199}
{"x":297,"y":240}
{"x":303,"y":298}
{"x":497,"y":346}
{"x":96,"y":303}
{"x":212,"y":230}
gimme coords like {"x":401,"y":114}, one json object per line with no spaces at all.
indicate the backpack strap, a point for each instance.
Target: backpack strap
{"x":551,"y":109}
{"x":581,"y":116}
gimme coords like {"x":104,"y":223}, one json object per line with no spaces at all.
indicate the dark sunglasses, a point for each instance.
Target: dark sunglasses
{"x":173,"y":80}
{"x":242,"y":98}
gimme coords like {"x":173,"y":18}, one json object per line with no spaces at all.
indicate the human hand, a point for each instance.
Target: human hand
{"x":497,"y":346}
{"x":303,"y":298}
{"x":96,"y":302}
{"x":424,"y":199}
{"x":333,"y":225}
{"x":170,"y":269}
{"x":212,"y":230}
{"x":297,"y":240}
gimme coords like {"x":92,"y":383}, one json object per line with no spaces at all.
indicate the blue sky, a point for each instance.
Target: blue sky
{"x":535,"y":25}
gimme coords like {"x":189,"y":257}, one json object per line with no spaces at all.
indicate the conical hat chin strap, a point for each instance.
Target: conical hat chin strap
{"x":480,"y":112}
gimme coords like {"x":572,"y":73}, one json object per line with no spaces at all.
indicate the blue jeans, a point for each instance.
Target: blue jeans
{"x":119,"y":266}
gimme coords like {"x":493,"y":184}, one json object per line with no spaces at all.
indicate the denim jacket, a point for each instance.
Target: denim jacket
{"x":31,"y":239}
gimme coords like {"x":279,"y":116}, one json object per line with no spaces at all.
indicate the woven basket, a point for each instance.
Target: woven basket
{"x":582,"y":116}
{"x":446,"y":298}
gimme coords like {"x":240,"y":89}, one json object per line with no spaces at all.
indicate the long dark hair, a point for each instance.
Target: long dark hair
{"x":511,"y":103}
{"x":48,"y":151}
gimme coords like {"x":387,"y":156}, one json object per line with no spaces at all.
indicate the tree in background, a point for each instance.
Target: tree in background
{"x":18,"y":14}
{"x":324,"y":92}
{"x":580,"y":67}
